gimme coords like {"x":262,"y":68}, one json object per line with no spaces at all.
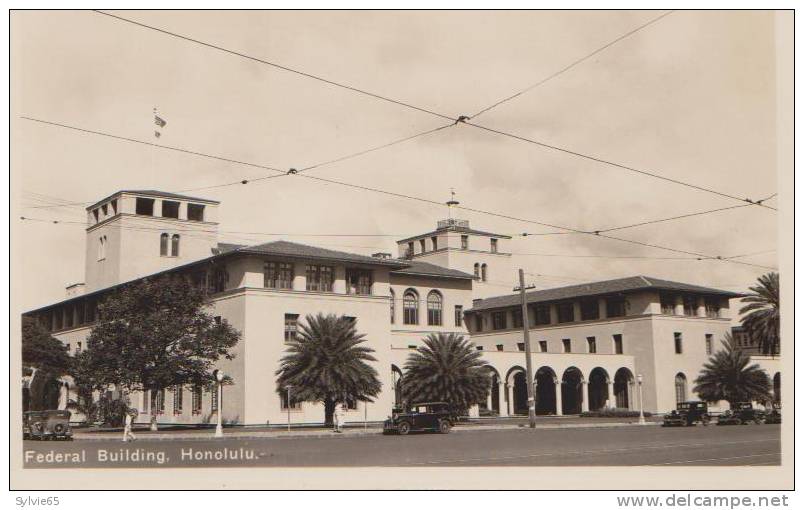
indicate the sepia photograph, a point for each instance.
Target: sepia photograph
{"x":401,"y":249}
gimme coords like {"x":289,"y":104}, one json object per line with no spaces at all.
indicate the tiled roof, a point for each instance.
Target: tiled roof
{"x":296,"y":250}
{"x":427,"y":269}
{"x":620,"y":285}
{"x":226,"y":247}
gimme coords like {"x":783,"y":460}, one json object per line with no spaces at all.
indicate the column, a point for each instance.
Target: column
{"x":488,"y":399}
{"x":509,"y":400}
{"x":584,"y":396}
{"x":339,"y":280}
{"x":701,"y":307}
{"x":612,"y":396}
{"x":501,"y":397}
{"x":631,"y":403}
{"x":679,"y":305}
{"x":557,"y":384}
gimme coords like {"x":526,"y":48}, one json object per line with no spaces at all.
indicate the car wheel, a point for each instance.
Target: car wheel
{"x":444,"y":427}
{"x":738,"y":421}
{"x":705,"y":421}
{"x":403,"y":428}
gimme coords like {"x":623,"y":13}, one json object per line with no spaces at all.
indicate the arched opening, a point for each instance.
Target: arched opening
{"x":517,"y":391}
{"x":434,"y":308}
{"x":396,"y":378}
{"x":571,"y":391}
{"x":410,"y":307}
{"x":598,"y":389}
{"x":393,"y":305}
{"x":174,"y":245}
{"x":163,"y":245}
{"x":681,"y":387}
{"x":483,"y":272}
{"x":477,"y":270}
{"x":777,"y":387}
{"x":491,"y":406}
{"x":623,"y":382}
{"x":545,"y":391}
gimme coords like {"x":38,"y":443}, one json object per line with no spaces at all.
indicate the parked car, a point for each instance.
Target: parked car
{"x":47,"y":425}
{"x":775,"y":415}
{"x":741,"y":413}
{"x":687,"y":414}
{"x":423,"y":417}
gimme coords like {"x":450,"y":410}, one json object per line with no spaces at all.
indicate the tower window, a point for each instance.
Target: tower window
{"x":195,"y":212}
{"x":163,"y":245}
{"x":114,"y":206}
{"x":170,"y":209}
{"x":678,"y":339}
{"x":434,"y":241}
{"x":423,"y":245}
{"x":145,"y":206}
{"x":566,"y":312}
{"x":591,"y":345}
{"x":174,"y":245}
{"x":458,"y":315}
{"x":542,"y":345}
{"x":477,"y":271}
{"x":483,"y":272}
{"x":410,"y":307}
{"x":493,"y":246}
{"x":105,"y":209}
{"x":618,"y":344}
{"x":464,"y":242}
{"x":567,"y":343}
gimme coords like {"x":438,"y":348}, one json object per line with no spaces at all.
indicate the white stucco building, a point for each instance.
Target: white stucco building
{"x":589,"y":341}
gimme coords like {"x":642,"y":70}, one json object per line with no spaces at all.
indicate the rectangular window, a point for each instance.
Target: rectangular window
{"x":158,"y":402}
{"x":217,"y":280}
{"x":689,"y":306}
{"x":145,"y":206}
{"x":114,"y":206}
{"x":499,"y":347}
{"x":409,"y":253}
{"x":516,"y":317}
{"x":319,"y":278}
{"x":618,"y":344}
{"x":278,"y":275}
{"x":358,"y":281}
{"x":170,"y":209}
{"x":615,"y":307}
{"x":78,"y":347}
{"x":178,"y":399}
{"x":591,"y":345}
{"x":105,"y":209}
{"x":464,"y":242}
{"x":567,"y":344}
{"x":521,"y":346}
{"x":422,"y":245}
{"x":197,"y":392}
{"x":566,"y":312}
{"x":542,"y":315}
{"x":590,"y":310}
{"x":195,"y":212}
{"x":458,"y":315}
{"x":478,"y":322}
{"x":479,"y":347}
{"x":678,"y":342}
{"x":498,"y":320}
{"x":668,"y":303}
{"x":542,"y":345}
{"x":709,"y":340}
{"x":291,"y":326}
{"x":95,"y":213}
{"x":434,"y":241}
{"x":493,"y":246}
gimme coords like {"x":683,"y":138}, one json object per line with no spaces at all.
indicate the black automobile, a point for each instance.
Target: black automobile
{"x":741,"y":413}
{"x":47,"y":425}
{"x":775,"y":415}
{"x":423,"y":417}
{"x":687,"y":414}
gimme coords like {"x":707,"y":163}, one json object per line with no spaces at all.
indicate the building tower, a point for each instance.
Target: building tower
{"x":455,"y":245}
{"x":131,"y":234}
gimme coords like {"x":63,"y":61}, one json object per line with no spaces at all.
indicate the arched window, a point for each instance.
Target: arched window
{"x":163,"y":245}
{"x":410,"y":307}
{"x":174,"y":245}
{"x":483,"y":273}
{"x":681,"y":387}
{"x":477,"y":270}
{"x":393,"y":305}
{"x":434,"y":307}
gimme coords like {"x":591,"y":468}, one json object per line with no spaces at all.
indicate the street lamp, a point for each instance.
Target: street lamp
{"x":219,"y":380}
{"x":641,"y":408}
{"x":288,"y":387}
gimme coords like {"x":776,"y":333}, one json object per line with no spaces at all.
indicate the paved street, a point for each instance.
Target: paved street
{"x":616,"y":446}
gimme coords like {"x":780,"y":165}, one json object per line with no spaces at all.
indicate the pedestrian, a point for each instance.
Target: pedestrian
{"x":129,"y":419}
{"x":338,"y":417}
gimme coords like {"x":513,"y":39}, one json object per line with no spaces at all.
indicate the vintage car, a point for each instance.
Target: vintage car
{"x":47,"y":425}
{"x":741,"y":413}
{"x":775,"y":415}
{"x":687,"y":414}
{"x":423,"y":417}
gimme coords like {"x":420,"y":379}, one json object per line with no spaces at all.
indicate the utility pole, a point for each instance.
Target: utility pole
{"x":528,"y":363}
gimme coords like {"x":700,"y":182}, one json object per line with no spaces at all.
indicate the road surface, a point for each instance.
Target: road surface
{"x":616,"y":446}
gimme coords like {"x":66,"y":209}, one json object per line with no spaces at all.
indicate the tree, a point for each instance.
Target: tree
{"x":447,"y":368}
{"x":728,"y":376}
{"x":157,"y":333}
{"x":762,"y":320}
{"x":44,"y":358}
{"x":327,"y":363}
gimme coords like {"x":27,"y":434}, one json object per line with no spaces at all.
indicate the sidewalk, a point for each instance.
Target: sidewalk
{"x":353,"y":431}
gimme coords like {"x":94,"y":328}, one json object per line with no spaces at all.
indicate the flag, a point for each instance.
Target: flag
{"x":159,"y":121}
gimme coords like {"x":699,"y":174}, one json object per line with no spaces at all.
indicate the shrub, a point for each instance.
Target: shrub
{"x":613,"y":413}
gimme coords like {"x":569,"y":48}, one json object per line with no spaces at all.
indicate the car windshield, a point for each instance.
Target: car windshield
{"x":683,"y":406}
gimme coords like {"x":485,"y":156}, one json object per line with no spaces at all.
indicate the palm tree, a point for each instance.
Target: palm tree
{"x":326,"y":363}
{"x":728,"y":376}
{"x":447,"y":368}
{"x":762,"y":320}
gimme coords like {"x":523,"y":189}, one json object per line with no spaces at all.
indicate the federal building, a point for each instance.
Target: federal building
{"x":592,"y":344}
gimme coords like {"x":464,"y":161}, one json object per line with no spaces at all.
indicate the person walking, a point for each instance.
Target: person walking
{"x":127,"y":434}
{"x":338,"y":416}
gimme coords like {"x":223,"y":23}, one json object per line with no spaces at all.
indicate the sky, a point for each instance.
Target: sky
{"x":691,"y":97}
